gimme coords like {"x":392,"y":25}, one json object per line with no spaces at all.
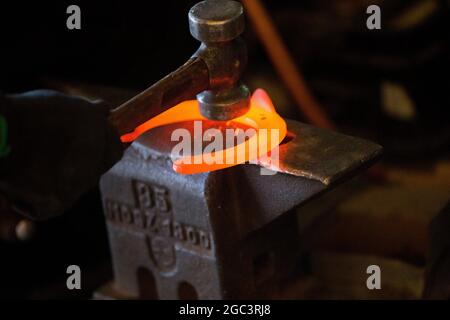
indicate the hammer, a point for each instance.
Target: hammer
{"x":212,"y":73}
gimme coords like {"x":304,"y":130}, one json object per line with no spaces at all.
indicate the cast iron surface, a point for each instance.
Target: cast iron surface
{"x":321,"y":154}
{"x":219,"y":235}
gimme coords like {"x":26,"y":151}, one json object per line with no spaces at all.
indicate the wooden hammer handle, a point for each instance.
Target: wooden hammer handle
{"x":182,"y":84}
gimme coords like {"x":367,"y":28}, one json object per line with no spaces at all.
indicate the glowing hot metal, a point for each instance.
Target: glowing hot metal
{"x":261,"y":116}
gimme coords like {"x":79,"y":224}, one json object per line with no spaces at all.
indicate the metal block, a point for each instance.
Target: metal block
{"x":217,"y":235}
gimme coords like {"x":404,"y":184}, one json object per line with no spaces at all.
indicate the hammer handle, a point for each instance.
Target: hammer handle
{"x":182,"y":84}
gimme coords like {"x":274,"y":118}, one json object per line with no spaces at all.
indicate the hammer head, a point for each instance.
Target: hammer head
{"x":216,"y":21}
{"x":218,"y":24}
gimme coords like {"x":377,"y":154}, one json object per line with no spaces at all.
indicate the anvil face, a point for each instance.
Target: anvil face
{"x":225,"y":234}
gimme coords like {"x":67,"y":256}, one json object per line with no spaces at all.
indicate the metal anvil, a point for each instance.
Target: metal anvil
{"x":227,"y":234}
{"x":223,"y":234}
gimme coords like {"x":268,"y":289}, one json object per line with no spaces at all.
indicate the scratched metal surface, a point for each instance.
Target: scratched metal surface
{"x":322,"y":155}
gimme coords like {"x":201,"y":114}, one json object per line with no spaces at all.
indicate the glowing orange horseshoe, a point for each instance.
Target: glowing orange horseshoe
{"x":261,"y":116}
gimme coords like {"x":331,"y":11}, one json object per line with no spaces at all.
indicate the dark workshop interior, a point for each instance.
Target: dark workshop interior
{"x":308,"y":238}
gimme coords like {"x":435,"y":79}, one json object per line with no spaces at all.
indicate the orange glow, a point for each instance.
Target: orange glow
{"x":261,"y":116}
